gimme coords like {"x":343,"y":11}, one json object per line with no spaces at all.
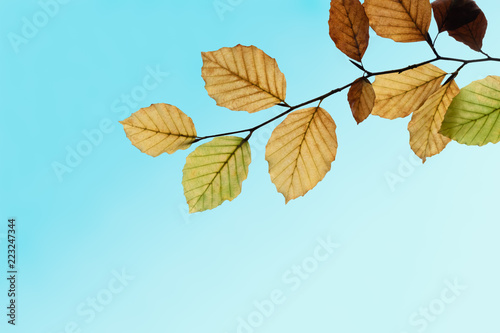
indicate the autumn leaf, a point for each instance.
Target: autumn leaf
{"x":301,"y":150}
{"x":400,"y":94}
{"x":214,"y":172}
{"x":472,"y":34}
{"x":243,"y":78}
{"x":349,"y":27}
{"x":361,"y":98}
{"x":425,"y":123}
{"x":400,"y":20}
{"x":453,"y":14}
{"x":160,"y":128}
{"x":473,"y":117}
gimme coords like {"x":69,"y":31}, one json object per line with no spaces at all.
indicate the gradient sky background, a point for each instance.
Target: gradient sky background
{"x":122,"y":211}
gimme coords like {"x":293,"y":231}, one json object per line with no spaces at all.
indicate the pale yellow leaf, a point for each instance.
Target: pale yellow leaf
{"x":243,"y":78}
{"x":301,"y":150}
{"x":400,"y":20}
{"x":214,"y":172}
{"x":400,"y":94}
{"x":160,"y":128}
{"x":425,"y":123}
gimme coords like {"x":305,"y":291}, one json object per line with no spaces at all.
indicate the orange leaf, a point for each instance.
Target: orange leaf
{"x":361,"y":98}
{"x":400,"y":20}
{"x":349,"y":27}
{"x":243,"y":78}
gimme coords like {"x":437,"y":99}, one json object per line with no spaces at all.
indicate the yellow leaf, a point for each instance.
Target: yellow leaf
{"x":400,"y":20}
{"x":425,"y":123}
{"x":361,"y":98}
{"x":349,"y":27}
{"x":243,"y":78}
{"x":214,"y":172}
{"x":398,"y":95}
{"x":301,"y":150}
{"x":160,"y":128}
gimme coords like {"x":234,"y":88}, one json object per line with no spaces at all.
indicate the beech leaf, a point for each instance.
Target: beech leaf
{"x":214,"y":172}
{"x":349,"y":27}
{"x":473,"y":117}
{"x":301,"y":150}
{"x":425,"y":123}
{"x":472,"y":34}
{"x":453,"y":14}
{"x":243,"y":78}
{"x":398,"y":95}
{"x":400,"y":20}
{"x":361,"y":98}
{"x":160,"y":128}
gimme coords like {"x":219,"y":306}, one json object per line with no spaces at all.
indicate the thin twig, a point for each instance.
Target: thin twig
{"x":367,"y":74}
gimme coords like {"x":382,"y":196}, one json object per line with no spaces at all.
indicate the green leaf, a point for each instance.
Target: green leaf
{"x":214,"y":172}
{"x":473,"y":117}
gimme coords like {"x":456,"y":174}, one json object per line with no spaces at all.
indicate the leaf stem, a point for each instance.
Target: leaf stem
{"x":429,"y":41}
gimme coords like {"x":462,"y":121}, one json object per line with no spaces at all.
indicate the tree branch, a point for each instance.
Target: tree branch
{"x":368,"y":74}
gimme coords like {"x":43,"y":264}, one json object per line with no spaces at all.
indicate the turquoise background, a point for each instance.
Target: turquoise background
{"x":121,"y":212}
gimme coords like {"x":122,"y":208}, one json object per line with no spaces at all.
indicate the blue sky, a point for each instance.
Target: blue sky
{"x":108,"y":245}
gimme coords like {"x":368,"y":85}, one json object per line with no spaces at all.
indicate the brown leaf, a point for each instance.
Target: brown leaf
{"x":349,"y":27}
{"x":361,"y":98}
{"x":472,"y":34}
{"x":453,"y":14}
{"x":400,"y":20}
